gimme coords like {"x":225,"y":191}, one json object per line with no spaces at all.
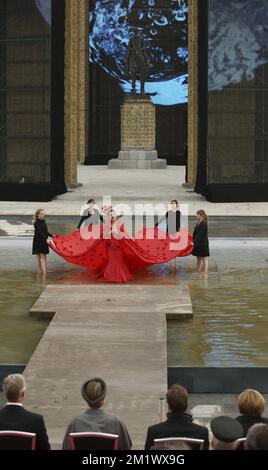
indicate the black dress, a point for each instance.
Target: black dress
{"x":173,"y":220}
{"x":92,"y":219}
{"x":200,"y":240}
{"x":41,"y":235}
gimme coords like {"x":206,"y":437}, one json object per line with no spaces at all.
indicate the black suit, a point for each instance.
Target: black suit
{"x":176,"y":425}
{"x":248,"y":421}
{"x":16,"y":418}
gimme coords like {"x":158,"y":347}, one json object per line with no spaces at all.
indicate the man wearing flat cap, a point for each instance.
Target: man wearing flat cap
{"x":225,"y":432}
{"x":95,"y":419}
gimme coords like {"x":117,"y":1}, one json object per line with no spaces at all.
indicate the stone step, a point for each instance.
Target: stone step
{"x":135,"y":164}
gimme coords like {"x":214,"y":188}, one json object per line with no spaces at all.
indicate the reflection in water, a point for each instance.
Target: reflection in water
{"x":230,"y":326}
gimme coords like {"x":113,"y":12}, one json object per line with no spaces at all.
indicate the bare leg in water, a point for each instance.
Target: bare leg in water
{"x":44,"y":264}
{"x":205,"y":264}
{"x":39,"y":264}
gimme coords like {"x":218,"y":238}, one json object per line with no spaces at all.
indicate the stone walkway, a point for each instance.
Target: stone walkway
{"x":116,"y":332}
{"x":133,"y":188}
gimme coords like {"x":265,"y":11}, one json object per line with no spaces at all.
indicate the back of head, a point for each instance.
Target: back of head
{"x":177,"y":398}
{"x":94,"y":392}
{"x":14,"y":386}
{"x":225,"y":432}
{"x":257,"y":437}
{"x":251,"y":403}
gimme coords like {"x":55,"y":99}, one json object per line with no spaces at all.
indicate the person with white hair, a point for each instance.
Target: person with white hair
{"x":14,"y":417}
{"x":225,"y":432}
{"x":257,"y":437}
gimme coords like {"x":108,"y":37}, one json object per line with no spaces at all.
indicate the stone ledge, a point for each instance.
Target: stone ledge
{"x":116,"y":164}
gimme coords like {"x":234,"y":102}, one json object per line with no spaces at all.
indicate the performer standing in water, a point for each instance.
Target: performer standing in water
{"x":91,"y":215}
{"x":116,"y":269}
{"x":201,"y":243}
{"x":172,"y":218}
{"x":111,"y":252}
{"x":40,"y":245}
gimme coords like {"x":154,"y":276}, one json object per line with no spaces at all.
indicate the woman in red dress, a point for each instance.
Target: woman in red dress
{"x":111,"y":252}
{"x":116,"y":269}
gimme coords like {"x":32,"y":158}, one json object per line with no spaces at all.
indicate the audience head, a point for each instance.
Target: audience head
{"x":225,"y":432}
{"x":251,"y":403}
{"x":14,"y":387}
{"x":94,"y":392}
{"x":257,"y":437}
{"x":177,"y":398}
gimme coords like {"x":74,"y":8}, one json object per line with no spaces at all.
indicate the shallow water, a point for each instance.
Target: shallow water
{"x":230,"y":326}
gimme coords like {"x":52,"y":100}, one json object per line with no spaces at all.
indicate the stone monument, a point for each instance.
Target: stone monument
{"x":138,"y":122}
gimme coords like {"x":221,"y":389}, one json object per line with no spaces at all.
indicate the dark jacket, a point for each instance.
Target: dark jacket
{"x":176,"y":425}
{"x":16,"y":418}
{"x":173,"y":221}
{"x":92,"y":219}
{"x":248,"y":421}
{"x":41,"y":235}
{"x":200,"y":240}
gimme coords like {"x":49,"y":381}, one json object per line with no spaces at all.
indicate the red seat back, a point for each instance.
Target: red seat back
{"x":93,"y":440}
{"x":17,"y":440}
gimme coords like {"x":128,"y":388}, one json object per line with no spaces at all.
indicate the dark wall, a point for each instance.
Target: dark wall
{"x":32,"y":94}
{"x":233,"y":102}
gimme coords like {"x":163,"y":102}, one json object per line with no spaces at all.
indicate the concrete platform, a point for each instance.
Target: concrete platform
{"x":133,"y":187}
{"x":135,"y":164}
{"x":138,"y":154}
{"x":116,"y":332}
{"x":137,"y":159}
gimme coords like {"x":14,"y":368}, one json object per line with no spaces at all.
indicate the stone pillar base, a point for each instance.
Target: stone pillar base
{"x":137,"y":154}
{"x":143,"y":159}
{"x":116,"y":164}
{"x":137,"y":136}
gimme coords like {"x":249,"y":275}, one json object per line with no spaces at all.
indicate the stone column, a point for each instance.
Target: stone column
{"x":76,"y":47}
{"x":82,"y":89}
{"x":193,"y":91}
{"x":138,"y":126}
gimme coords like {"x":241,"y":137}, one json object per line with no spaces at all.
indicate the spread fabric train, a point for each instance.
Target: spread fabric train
{"x":112,"y":253}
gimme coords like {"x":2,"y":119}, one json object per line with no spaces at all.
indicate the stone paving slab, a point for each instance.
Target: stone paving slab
{"x":132,"y":187}
{"x":116,"y":332}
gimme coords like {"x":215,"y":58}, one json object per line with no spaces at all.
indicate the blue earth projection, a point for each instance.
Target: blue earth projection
{"x":164,"y":27}
{"x":238,"y":41}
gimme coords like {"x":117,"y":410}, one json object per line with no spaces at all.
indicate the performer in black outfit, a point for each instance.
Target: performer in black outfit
{"x":92,"y":217}
{"x":40,"y":246}
{"x":173,"y":219}
{"x":200,"y":240}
